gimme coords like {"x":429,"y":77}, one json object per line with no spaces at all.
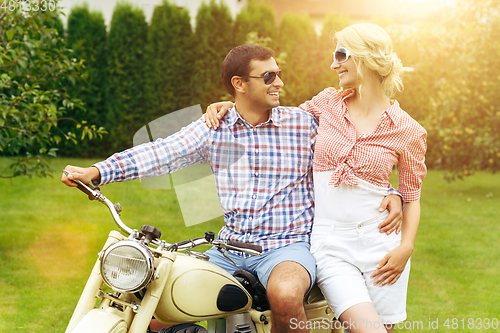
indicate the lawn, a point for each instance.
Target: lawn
{"x":51,"y":235}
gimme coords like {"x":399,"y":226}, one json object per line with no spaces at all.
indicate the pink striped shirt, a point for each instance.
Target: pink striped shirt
{"x":397,"y":140}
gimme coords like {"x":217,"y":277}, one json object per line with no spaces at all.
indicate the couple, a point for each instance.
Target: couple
{"x":271,"y":203}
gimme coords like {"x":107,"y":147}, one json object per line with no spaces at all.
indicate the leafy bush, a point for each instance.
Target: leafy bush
{"x":37,"y":67}
{"x":453,"y":91}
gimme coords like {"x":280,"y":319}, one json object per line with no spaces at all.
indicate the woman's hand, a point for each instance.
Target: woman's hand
{"x":390,"y":268}
{"x":215,"y":112}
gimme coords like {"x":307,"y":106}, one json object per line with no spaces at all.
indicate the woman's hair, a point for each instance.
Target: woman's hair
{"x":371,"y":45}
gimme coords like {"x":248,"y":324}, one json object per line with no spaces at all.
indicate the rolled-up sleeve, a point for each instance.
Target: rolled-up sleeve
{"x":411,"y":166}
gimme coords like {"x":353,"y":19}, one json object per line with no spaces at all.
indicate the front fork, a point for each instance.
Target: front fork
{"x":144,"y":312}
{"x":94,"y":284}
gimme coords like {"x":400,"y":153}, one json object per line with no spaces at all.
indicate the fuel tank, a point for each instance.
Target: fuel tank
{"x":198,"y":290}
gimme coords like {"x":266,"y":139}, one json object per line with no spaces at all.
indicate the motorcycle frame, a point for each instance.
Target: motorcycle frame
{"x":319,"y":316}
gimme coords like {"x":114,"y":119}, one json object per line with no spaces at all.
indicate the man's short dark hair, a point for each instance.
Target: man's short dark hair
{"x":237,"y":62}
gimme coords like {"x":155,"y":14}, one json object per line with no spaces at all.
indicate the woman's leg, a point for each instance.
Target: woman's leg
{"x":362,"y":318}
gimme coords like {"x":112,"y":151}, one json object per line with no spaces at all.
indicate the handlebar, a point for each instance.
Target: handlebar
{"x":95,"y":194}
{"x":240,"y":245}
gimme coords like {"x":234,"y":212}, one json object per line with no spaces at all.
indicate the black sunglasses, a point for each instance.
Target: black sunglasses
{"x":341,"y":55}
{"x":268,"y":77}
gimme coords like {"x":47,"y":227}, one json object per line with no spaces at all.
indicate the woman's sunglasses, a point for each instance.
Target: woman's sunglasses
{"x":268,"y":77}
{"x":341,"y":55}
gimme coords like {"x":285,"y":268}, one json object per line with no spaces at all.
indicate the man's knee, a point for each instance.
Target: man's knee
{"x":288,"y":284}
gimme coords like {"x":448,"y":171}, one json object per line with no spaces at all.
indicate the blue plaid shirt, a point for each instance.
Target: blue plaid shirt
{"x":263,"y":173}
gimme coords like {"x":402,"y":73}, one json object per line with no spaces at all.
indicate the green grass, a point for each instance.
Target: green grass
{"x":50,"y":236}
{"x":456,"y":264}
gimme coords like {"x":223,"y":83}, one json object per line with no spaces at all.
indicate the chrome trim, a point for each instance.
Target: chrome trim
{"x":197,"y":255}
{"x":147,"y":256}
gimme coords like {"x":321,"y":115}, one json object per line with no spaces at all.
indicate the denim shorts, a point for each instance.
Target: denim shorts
{"x":262,"y":266}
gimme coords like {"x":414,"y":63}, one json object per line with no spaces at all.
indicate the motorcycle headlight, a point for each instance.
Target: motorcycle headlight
{"x":127,"y":266}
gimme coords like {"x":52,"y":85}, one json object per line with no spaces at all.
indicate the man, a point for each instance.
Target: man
{"x":266,"y":196}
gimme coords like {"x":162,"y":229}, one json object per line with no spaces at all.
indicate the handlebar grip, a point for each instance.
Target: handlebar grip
{"x":86,"y":190}
{"x":242,"y":245}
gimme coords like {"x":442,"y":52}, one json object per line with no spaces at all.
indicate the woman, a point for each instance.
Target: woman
{"x":362,"y":134}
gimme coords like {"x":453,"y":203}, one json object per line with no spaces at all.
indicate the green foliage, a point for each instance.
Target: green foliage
{"x":298,"y":40}
{"x":254,"y":17}
{"x":37,"y":68}
{"x":169,"y":60}
{"x":87,"y":37}
{"x":126,"y":93}
{"x":454,"y":90}
{"x":214,"y":40}
{"x":333,"y":22}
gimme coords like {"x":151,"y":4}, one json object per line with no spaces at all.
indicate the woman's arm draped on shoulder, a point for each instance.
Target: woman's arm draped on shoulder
{"x":215,"y":112}
{"x":318,"y":103}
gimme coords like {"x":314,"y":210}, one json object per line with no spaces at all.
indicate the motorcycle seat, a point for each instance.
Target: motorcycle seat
{"x":254,"y":288}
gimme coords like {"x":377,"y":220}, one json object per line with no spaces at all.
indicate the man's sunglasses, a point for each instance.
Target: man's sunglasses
{"x":341,"y":55}
{"x":268,"y":77}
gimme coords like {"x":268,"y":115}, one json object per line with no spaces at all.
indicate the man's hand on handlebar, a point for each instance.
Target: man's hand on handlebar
{"x":85,"y":175}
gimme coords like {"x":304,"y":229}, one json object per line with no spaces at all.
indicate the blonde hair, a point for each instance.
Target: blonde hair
{"x":371,"y":45}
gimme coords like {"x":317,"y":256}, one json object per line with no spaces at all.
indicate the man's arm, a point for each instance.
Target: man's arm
{"x":157,"y":158}
{"x":394,"y":203}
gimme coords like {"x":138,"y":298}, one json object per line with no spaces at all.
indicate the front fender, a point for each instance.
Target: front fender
{"x":100,"y":321}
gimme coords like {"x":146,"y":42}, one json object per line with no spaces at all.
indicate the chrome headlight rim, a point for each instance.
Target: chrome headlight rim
{"x":148,"y":258}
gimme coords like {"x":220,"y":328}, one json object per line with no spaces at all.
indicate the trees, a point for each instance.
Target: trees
{"x":298,"y":40}
{"x":86,"y":36}
{"x":453,"y":91}
{"x":126,"y":96}
{"x":37,"y":68}
{"x":254,"y":17}
{"x":214,"y":39}
{"x":169,"y":61}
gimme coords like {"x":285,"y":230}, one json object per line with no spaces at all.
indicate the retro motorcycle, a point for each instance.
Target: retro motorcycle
{"x":175,"y":284}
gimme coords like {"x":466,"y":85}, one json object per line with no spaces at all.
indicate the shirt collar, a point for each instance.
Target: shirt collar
{"x":393,"y":112}
{"x":344,"y":94}
{"x":232,"y":117}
